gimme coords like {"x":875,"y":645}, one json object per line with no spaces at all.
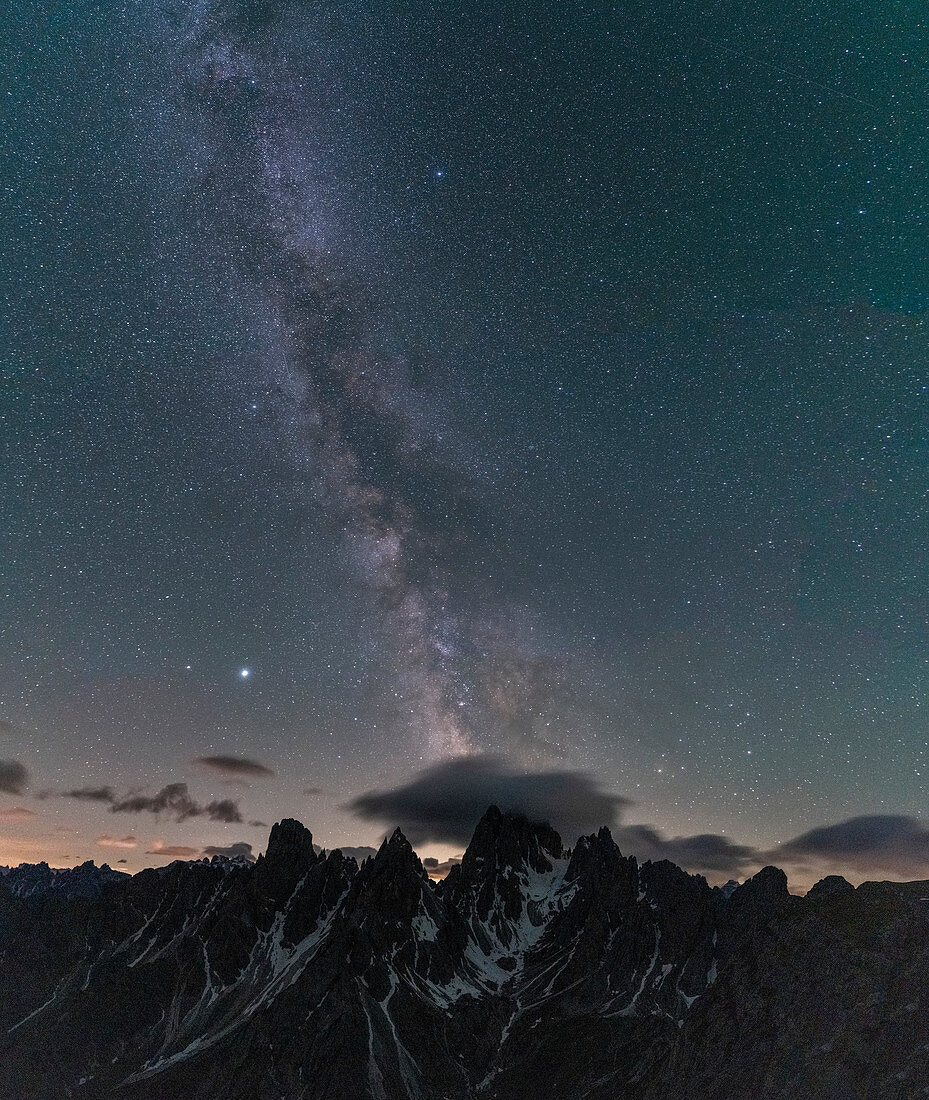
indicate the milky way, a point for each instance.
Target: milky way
{"x":411,"y":528}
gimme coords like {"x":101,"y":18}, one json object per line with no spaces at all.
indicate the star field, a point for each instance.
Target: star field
{"x":383,"y":387}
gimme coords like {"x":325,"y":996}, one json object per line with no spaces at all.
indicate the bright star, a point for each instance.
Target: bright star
{"x":245,"y":673}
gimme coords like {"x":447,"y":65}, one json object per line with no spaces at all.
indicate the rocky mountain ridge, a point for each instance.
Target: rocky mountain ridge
{"x":529,"y":971}
{"x":39,"y":880}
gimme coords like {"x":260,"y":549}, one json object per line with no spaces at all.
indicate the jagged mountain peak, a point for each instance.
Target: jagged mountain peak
{"x":507,"y":838}
{"x":396,"y":856}
{"x":87,"y":880}
{"x":596,"y":846}
{"x":386,"y":894}
{"x":507,"y":884}
{"x":288,"y":839}
{"x":598,"y":865}
{"x":287,"y":858}
{"x":759,"y":899}
{"x":397,"y":837}
{"x":769,"y":884}
{"x":531,"y":971}
{"x":829,"y":887}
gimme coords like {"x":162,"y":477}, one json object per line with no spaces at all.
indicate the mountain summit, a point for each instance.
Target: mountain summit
{"x":530,"y":971}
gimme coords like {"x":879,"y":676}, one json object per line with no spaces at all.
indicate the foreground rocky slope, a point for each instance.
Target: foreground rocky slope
{"x":530,"y":971}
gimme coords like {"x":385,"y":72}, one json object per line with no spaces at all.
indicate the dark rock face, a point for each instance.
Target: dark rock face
{"x":530,"y":971}
{"x":829,"y":886}
{"x":828,"y":1000}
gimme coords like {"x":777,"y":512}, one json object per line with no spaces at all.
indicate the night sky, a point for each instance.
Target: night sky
{"x":402,"y":404}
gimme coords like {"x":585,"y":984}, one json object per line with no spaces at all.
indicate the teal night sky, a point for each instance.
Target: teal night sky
{"x":388,"y":389}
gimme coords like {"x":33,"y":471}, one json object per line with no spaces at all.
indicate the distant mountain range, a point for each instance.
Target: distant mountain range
{"x":39,"y":880}
{"x":529,"y":972}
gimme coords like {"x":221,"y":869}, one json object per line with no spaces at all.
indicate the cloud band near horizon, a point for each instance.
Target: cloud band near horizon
{"x":444,"y":802}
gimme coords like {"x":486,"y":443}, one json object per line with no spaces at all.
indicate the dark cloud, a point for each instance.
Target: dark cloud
{"x":240,"y":849}
{"x":312,"y":790}
{"x":889,"y":843}
{"x":235,"y":766}
{"x":179,"y":851}
{"x":445,"y":802}
{"x":703,"y":852}
{"x":258,"y":824}
{"x":13,"y":777}
{"x":225,"y":809}
{"x":92,"y":794}
{"x":174,"y":799}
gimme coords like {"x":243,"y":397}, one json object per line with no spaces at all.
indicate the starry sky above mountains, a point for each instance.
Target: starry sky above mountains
{"x":403,"y":402}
